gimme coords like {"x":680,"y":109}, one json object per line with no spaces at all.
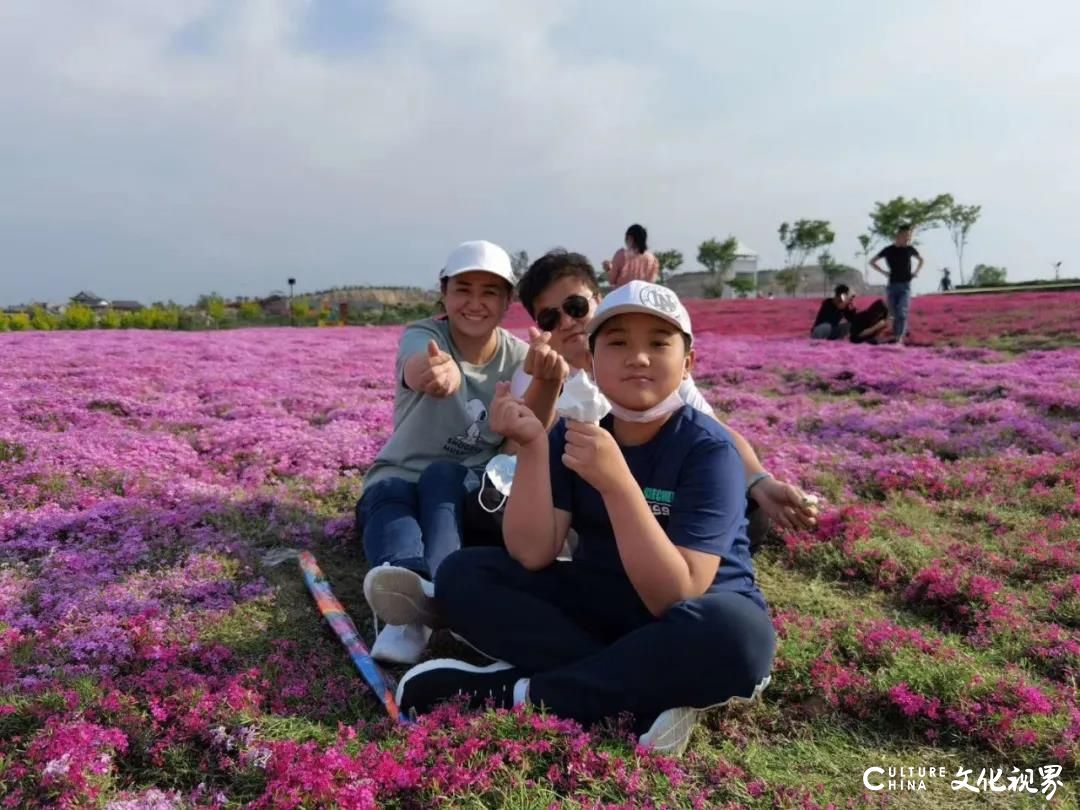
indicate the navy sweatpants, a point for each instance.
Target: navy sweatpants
{"x":591,"y":647}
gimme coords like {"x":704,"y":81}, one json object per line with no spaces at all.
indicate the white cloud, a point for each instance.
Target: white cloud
{"x":142,"y":167}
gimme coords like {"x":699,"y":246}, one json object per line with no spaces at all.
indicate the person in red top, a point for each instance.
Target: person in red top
{"x":634,"y":262}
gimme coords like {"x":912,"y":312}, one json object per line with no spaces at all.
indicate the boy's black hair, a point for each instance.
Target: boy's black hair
{"x":841,"y":289}
{"x":548,"y":269}
{"x":639,"y":236}
{"x":687,"y":343}
{"x":903,"y":226}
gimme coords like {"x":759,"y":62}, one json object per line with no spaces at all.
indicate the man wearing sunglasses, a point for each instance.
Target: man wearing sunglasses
{"x":561,"y":293}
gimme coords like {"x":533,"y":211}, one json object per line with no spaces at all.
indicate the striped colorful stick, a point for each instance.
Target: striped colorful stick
{"x":339,"y":620}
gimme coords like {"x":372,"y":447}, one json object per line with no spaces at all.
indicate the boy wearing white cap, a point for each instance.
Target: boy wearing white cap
{"x":659,"y":610}
{"x":447,"y":370}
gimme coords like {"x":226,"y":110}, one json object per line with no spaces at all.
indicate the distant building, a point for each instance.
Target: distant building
{"x":126,"y":306}
{"x":277,"y":305}
{"x":746,"y":261}
{"x":89,"y":299}
{"x":813,"y":283}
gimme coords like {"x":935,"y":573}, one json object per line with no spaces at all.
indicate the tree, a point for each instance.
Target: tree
{"x":42,"y":320}
{"x":717,"y":257}
{"x":865,"y":241}
{"x":519,"y":263}
{"x":830,"y":270}
{"x":804,"y":237}
{"x":301,"y":309}
{"x":77,"y":316}
{"x":960,"y":219}
{"x":788,"y":279}
{"x":985,"y":275}
{"x":887,"y":217}
{"x":250,"y":312}
{"x":215,"y":308}
{"x":743,"y":285}
{"x":670,"y":261}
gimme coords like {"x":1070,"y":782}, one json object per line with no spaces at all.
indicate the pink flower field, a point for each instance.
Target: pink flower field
{"x":158,"y":648}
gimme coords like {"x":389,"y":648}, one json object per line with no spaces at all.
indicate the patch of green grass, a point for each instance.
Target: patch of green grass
{"x":245,"y":628}
{"x":12,"y":451}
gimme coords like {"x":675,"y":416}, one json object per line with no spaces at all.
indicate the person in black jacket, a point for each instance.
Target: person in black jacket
{"x":827,"y":324}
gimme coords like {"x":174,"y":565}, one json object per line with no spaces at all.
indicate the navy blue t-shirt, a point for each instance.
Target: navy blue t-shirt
{"x":691,"y":476}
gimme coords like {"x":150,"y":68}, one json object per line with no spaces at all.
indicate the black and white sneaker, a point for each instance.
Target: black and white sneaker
{"x":441,"y":679}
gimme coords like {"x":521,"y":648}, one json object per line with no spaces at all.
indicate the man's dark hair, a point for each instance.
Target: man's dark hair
{"x":548,"y":269}
{"x":639,"y":236}
{"x":904,"y":226}
{"x":841,"y":289}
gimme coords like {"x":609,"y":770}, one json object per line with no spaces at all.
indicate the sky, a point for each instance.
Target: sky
{"x":160,"y":150}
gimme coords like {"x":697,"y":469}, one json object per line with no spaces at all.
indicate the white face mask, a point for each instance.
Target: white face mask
{"x":500,"y":471}
{"x":669,"y":405}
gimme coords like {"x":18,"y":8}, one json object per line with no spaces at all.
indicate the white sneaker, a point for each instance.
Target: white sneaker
{"x":400,"y":596}
{"x":670,"y":732}
{"x":401,"y":643}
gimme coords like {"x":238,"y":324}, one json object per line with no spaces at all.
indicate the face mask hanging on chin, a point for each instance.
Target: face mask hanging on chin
{"x":661,"y":409}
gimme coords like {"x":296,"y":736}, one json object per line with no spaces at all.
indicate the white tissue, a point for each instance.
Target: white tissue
{"x":582,"y":401}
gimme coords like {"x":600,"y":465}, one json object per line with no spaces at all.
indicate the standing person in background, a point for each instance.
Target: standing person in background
{"x":898,"y":256}
{"x":634,"y":261}
{"x":946,"y":280}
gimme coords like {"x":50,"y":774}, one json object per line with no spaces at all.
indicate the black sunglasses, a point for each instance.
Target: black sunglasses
{"x":576,"y":306}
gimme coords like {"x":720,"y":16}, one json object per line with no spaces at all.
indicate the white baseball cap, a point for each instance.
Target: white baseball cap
{"x":641,"y":296}
{"x":482,"y":256}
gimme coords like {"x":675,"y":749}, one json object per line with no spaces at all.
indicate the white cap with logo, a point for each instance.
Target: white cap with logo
{"x":479,"y":256}
{"x":641,"y":296}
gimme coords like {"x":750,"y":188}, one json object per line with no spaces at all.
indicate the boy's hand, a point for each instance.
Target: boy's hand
{"x":512,"y":418}
{"x":593,"y":454}
{"x":543,"y":362}
{"x":440,"y":376}
{"x":787,"y":506}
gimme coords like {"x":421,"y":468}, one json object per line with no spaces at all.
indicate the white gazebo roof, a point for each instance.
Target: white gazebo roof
{"x":743,"y":251}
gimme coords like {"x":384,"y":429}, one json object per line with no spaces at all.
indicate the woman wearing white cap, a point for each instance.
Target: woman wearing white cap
{"x":659,"y":613}
{"x":446,"y":372}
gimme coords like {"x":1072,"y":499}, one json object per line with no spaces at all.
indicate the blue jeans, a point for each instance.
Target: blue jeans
{"x":899,"y":297}
{"x":415,"y":526}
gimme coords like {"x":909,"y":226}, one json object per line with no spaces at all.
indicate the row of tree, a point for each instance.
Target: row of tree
{"x":211,"y":312}
{"x":805,"y":237}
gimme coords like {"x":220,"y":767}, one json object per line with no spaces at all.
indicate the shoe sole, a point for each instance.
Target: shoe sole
{"x":396,"y":595}
{"x":444,"y":663}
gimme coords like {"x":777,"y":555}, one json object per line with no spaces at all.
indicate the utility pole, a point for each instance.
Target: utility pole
{"x":1057,"y":271}
{"x":292,"y":317}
